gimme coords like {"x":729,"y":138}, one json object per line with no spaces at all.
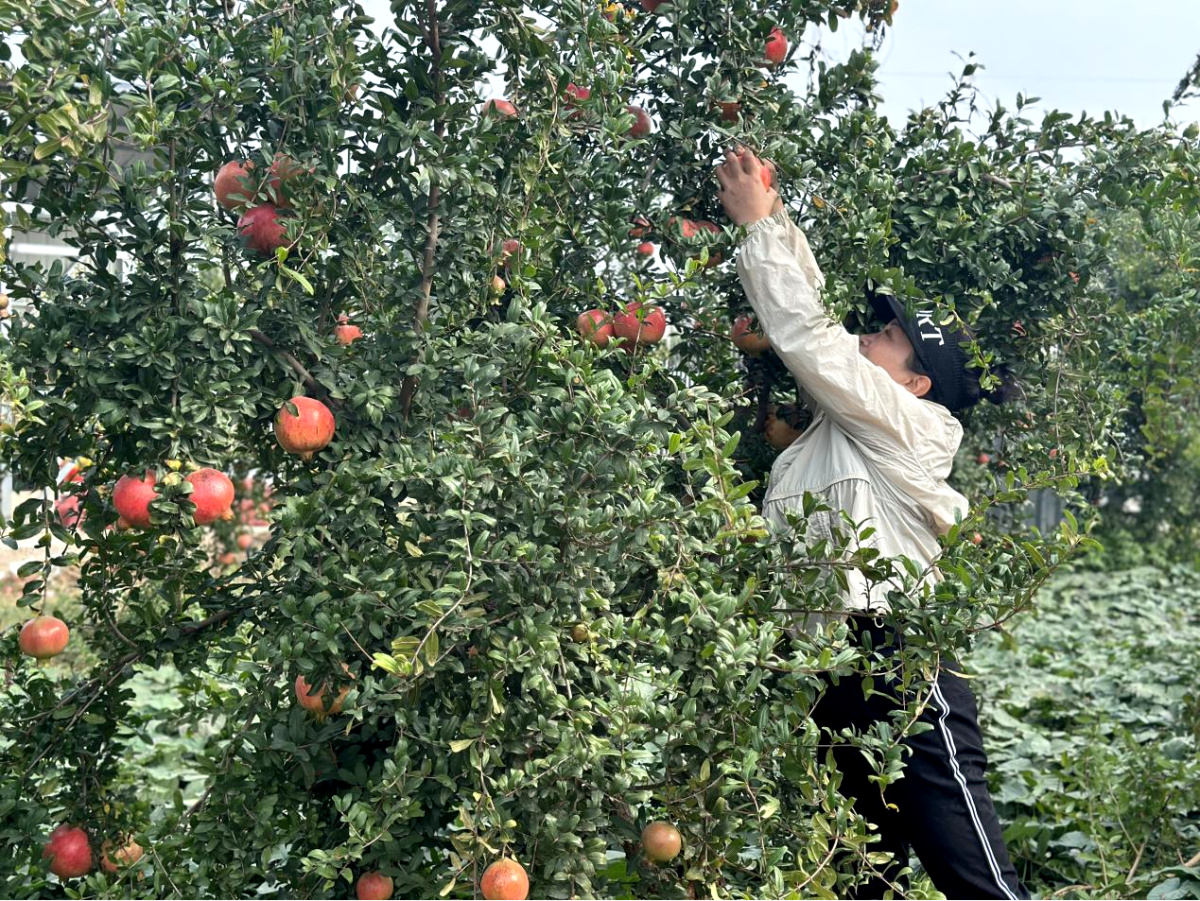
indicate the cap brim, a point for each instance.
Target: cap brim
{"x":887,"y":307}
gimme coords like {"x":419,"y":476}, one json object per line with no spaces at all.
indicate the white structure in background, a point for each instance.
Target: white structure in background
{"x":26,"y":247}
{"x":33,"y":248}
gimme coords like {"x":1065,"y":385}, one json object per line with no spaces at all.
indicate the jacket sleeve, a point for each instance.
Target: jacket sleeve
{"x":783,"y":283}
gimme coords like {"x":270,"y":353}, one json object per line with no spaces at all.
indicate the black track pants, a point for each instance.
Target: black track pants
{"x":943,"y":810}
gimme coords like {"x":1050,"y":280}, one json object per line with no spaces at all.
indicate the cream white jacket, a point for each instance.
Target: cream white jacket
{"x":873,"y":450}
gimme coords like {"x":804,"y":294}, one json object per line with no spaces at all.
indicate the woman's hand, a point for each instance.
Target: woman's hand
{"x":743,"y":193}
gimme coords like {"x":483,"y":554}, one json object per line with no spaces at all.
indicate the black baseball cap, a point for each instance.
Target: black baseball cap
{"x":938,"y":347}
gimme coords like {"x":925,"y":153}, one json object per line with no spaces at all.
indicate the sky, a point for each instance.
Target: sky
{"x":1077,"y":55}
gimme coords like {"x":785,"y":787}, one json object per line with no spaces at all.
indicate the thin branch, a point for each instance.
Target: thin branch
{"x":114,"y":673}
{"x":305,"y":375}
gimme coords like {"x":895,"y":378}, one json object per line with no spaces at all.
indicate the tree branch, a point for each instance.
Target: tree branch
{"x":305,"y":375}
{"x":433,"y":41}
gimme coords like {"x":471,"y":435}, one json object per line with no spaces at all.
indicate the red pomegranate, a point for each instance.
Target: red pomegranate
{"x":234,"y":179}
{"x":777,"y":47}
{"x":688,"y":229}
{"x":374,"y":887}
{"x":67,"y":505}
{"x":306,"y":433}
{"x":67,"y":508}
{"x":505,"y":880}
{"x":262,"y":229}
{"x":44,"y":637}
{"x":730,"y":110}
{"x":595,"y":326}
{"x":68,"y":851}
{"x":648,"y":328}
{"x":641,"y":122}
{"x":132,"y":497}
{"x":691,"y":228}
{"x":212,"y":493}
{"x":575,"y":96}
{"x":645,"y":248}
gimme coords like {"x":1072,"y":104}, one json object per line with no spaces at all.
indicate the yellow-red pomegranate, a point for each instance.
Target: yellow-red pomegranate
{"x":306,"y":433}
{"x":661,"y":842}
{"x":44,"y":637}
{"x":747,"y":338}
{"x":780,"y":433}
{"x":505,"y":880}
{"x":500,"y":107}
{"x":212,"y":493}
{"x":374,"y":886}
{"x":132,"y":497}
{"x":345,"y":332}
{"x":314,"y":701}
{"x":234,"y":179}
{"x":125,"y":856}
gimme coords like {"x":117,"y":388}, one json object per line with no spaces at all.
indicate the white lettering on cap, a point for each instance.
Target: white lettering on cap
{"x":925,"y":320}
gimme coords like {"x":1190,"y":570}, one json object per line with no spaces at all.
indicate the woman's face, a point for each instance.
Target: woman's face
{"x":891,"y":350}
